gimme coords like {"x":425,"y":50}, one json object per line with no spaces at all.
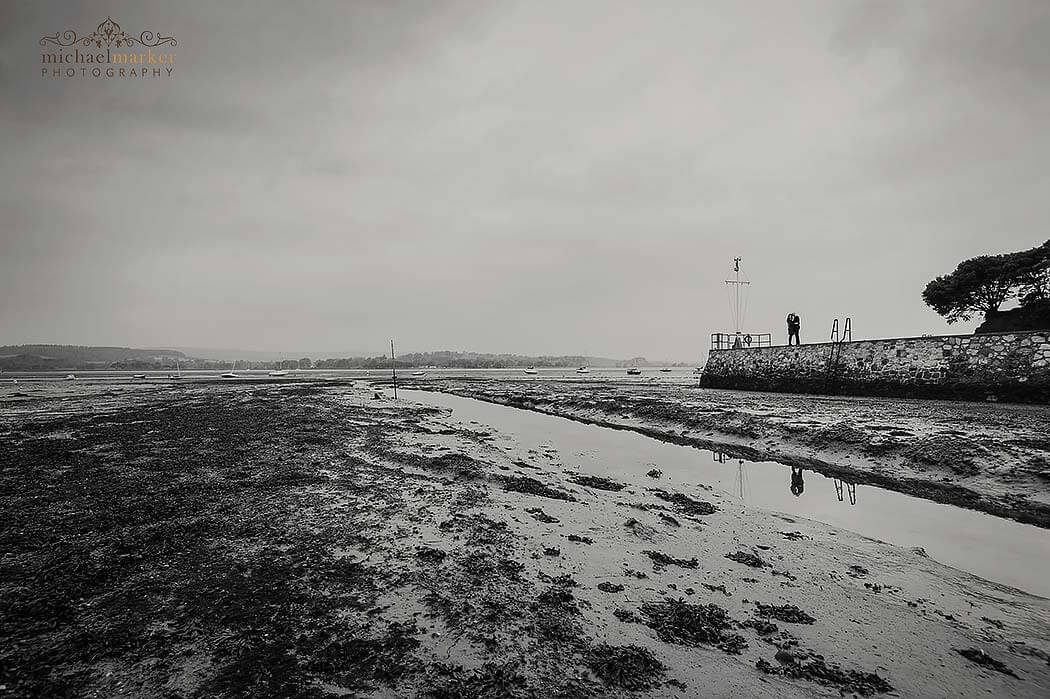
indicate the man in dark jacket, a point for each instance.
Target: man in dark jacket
{"x":793,"y":325}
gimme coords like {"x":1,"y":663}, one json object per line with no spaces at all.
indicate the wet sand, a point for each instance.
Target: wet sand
{"x":304,"y":540}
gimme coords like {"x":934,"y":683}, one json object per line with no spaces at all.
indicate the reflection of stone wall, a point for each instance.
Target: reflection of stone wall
{"x":1014,"y":366}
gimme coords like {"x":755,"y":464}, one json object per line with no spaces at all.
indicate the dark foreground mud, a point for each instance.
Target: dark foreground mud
{"x":308,"y":541}
{"x":987,"y":457}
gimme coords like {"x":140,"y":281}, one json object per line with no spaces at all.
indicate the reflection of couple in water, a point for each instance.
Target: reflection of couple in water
{"x":797,"y":486}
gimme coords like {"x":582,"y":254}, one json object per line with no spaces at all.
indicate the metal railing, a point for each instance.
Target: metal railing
{"x":724,"y":341}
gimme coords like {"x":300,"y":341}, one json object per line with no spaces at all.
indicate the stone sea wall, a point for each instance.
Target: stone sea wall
{"x":1009,"y":366}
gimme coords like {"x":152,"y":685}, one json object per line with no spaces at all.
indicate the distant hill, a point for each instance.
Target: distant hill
{"x":480,"y":360}
{"x":477,"y":360}
{"x":73,"y":357}
{"x":58,"y":357}
{"x":219,"y":354}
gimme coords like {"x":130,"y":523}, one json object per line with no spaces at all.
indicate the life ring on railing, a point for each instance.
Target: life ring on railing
{"x":747,"y":340}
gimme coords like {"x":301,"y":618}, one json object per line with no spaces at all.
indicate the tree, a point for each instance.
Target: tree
{"x":983,"y":284}
{"x":979,"y":285}
{"x":1033,"y":274}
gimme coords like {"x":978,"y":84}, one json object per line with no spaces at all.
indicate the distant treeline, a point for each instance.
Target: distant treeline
{"x":53,"y":357}
{"x":66,"y":357}
{"x":84,"y":358}
{"x":84,"y":353}
{"x":475,"y":360}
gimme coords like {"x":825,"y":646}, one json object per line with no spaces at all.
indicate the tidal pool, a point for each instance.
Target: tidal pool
{"x":994,"y":548}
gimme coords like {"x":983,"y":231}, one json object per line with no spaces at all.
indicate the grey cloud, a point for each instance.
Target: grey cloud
{"x":515,"y":176}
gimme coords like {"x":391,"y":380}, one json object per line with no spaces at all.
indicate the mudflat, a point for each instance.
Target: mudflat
{"x":312,"y":540}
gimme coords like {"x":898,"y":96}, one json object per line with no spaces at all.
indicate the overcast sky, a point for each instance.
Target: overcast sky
{"x":533,"y":177}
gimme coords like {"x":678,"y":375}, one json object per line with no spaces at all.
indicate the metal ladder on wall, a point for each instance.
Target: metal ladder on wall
{"x":835,"y":354}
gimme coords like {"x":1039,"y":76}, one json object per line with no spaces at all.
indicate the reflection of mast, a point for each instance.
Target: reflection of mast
{"x":741,"y":475}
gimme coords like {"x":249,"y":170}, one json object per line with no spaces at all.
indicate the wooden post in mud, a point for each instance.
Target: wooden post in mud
{"x":393,"y":368}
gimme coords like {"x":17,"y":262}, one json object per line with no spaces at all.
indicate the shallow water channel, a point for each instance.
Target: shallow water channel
{"x":993,"y":548}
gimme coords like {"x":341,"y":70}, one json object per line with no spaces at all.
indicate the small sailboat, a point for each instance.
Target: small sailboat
{"x":229,"y":375}
{"x":178,"y":368}
{"x":634,"y":371}
{"x":531,"y":370}
{"x":583,"y":370}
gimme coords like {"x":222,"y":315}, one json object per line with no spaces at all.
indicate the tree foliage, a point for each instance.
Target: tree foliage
{"x":983,"y":284}
{"x":1033,"y":274}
